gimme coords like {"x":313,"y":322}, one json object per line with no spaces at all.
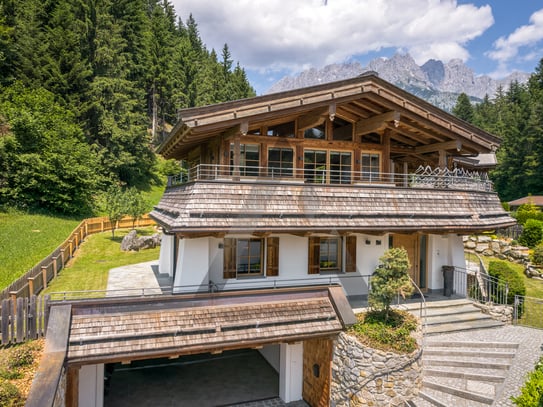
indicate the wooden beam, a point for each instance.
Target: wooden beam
{"x":447,"y":145}
{"x":376,"y":123}
{"x":312,"y":119}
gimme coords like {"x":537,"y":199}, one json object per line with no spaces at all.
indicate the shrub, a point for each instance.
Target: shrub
{"x":10,"y":396}
{"x":537,"y":255}
{"x":20,"y":356}
{"x":505,"y":274}
{"x":532,"y":233}
{"x":531,"y":394}
{"x":390,"y":279}
{"x":392,"y":332}
{"x":528,"y":211}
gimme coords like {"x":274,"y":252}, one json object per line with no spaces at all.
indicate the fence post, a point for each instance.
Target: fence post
{"x":13,"y":297}
{"x":44,"y":276}
{"x":62,"y":259}
{"x":30,"y":285}
{"x":515,"y":308}
{"x":54,"y":258}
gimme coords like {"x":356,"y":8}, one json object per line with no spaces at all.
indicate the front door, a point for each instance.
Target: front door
{"x":415,"y":245}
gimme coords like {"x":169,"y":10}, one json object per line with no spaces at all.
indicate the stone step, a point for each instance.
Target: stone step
{"x":471,"y":345}
{"x":462,"y":352}
{"x":466,"y":326}
{"x":465,"y":363}
{"x":471,"y":395}
{"x":429,"y":397}
{"x":466,"y":375}
{"x":456,"y":317}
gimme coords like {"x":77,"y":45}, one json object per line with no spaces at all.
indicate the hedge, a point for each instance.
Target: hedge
{"x":505,"y":274}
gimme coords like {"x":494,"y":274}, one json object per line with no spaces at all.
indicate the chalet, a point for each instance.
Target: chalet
{"x":283,"y":207}
{"x":310,"y":187}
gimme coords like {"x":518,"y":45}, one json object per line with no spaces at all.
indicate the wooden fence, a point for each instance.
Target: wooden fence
{"x":23,"y":319}
{"x":37,"y":278}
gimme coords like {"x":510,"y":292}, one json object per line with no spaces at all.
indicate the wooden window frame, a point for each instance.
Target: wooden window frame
{"x":371,"y":174}
{"x":346,"y":255}
{"x":269,"y":258}
{"x":284,"y":171}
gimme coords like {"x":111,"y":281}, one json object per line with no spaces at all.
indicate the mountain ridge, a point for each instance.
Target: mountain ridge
{"x":435,"y":81}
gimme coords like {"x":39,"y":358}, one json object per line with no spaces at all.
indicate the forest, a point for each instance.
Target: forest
{"x":515,"y":115}
{"x":88,"y":88}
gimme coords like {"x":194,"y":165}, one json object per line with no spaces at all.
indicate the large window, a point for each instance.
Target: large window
{"x":245,"y":257}
{"x":281,"y":130}
{"x":340,"y":167}
{"x":332,"y":254}
{"x":343,"y":130}
{"x":371,"y":166}
{"x":280,"y":161}
{"x":249,"y":159}
{"x":315,"y":166}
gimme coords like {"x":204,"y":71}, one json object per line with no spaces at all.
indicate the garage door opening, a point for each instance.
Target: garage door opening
{"x":201,"y":380}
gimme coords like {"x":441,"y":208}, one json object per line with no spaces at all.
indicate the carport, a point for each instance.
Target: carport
{"x":218,"y":348}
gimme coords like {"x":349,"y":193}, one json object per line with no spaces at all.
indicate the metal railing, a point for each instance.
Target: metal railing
{"x":423,"y":177}
{"x":479,"y":287}
{"x":528,"y":311}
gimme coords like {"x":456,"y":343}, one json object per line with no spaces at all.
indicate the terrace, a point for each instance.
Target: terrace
{"x":423,"y":177}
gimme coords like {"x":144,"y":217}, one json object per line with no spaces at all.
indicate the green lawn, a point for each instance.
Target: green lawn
{"x":26,"y":239}
{"x":88,"y":270}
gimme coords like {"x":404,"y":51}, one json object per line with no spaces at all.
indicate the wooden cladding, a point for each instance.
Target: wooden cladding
{"x":272,"y":257}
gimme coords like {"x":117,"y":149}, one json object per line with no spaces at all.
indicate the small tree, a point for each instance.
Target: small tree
{"x":390,"y":279}
{"x":135,"y":205}
{"x":115,"y":206}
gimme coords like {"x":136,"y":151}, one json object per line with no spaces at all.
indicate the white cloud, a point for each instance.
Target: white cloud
{"x":523,"y":39}
{"x":292,"y":34}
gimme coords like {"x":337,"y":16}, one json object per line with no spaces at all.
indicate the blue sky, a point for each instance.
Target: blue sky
{"x":274,"y":38}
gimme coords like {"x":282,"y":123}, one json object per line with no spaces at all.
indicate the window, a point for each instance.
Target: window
{"x":280,"y":161}
{"x":315,"y":166}
{"x":249,"y":159}
{"x":371,"y":166}
{"x":282,"y":130}
{"x":318,"y":132}
{"x":343,"y":130}
{"x":326,"y":254}
{"x":340,"y":167}
{"x":245,"y":257}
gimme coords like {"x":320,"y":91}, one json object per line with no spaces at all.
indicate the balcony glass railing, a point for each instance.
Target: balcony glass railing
{"x":423,"y":177}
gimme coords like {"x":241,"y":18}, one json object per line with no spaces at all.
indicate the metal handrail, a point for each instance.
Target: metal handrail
{"x":424,"y":177}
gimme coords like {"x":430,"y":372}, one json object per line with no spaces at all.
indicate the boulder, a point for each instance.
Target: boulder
{"x":131,"y":242}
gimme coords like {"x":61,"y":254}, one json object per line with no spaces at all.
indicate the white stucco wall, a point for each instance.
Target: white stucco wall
{"x":165,"y":262}
{"x":443,"y":250}
{"x":192,"y":268}
{"x":91,"y":386}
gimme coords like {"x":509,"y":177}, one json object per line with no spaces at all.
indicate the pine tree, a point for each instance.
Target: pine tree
{"x":463,"y":108}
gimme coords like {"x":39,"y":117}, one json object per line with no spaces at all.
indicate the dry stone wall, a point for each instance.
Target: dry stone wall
{"x":363,"y":376}
{"x":502,"y":249}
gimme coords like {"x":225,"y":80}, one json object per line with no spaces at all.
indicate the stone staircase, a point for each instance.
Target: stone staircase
{"x":451,"y":315}
{"x":463,"y":374}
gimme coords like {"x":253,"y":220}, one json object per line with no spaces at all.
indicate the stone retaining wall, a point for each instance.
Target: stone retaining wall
{"x":363,"y":376}
{"x":502,"y":249}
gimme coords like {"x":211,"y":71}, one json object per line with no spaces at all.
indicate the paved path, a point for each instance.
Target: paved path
{"x":530,"y":349}
{"x":134,"y":279}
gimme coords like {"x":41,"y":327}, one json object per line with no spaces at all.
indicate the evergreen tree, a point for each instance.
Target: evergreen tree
{"x":463,"y":108}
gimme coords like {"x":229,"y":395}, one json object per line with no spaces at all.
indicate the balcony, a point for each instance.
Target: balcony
{"x":423,"y":177}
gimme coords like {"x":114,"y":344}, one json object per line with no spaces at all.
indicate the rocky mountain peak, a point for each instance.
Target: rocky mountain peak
{"x":438,"y":82}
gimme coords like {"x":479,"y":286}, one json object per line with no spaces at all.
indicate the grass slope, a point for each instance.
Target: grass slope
{"x":26,"y":239}
{"x":88,"y":270}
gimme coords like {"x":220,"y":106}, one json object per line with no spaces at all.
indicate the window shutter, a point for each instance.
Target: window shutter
{"x":272,"y":257}
{"x":350,"y":254}
{"x":229,"y":266}
{"x":314,"y":255}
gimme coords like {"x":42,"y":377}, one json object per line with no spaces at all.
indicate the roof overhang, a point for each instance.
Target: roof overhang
{"x":369,"y":102}
{"x":122,"y":330}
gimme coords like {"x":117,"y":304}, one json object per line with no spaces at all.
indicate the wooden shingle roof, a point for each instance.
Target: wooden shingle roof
{"x":129,"y":331}
{"x":216,"y":207}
